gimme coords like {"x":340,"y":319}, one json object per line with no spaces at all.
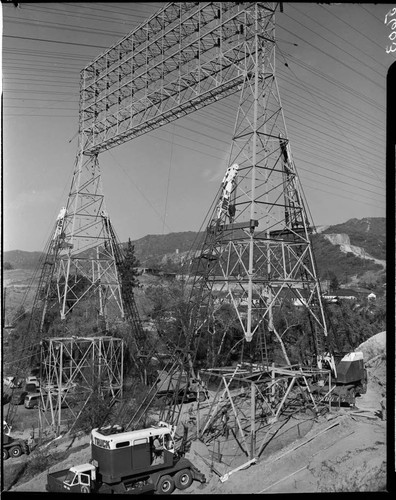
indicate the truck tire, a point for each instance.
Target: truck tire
{"x":5,"y":454}
{"x":15,"y":451}
{"x":165,"y":485}
{"x":183,"y":479}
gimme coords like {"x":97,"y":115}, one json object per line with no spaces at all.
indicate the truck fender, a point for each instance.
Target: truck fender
{"x":84,"y":489}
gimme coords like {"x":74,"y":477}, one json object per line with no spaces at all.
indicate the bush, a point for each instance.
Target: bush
{"x":95,"y":413}
{"x":40,"y":462}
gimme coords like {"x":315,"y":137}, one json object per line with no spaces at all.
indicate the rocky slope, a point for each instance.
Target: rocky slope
{"x":344,"y":242}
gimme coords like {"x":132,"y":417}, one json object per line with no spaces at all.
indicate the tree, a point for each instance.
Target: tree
{"x":128,"y":270}
{"x":334,"y":283}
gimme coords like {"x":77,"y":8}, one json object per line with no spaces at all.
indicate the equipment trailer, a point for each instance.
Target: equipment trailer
{"x":132,"y":462}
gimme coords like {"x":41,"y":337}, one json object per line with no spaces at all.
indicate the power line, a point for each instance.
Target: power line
{"x":364,"y":35}
{"x":335,"y":59}
{"x":348,"y":42}
{"x":54,"y":41}
{"x":357,"y":151}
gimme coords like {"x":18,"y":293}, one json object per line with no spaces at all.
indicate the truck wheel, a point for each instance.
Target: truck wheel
{"x":165,"y":485}
{"x":364,"y":387}
{"x":15,"y":451}
{"x":351,"y":396}
{"x":183,"y":479}
{"x":5,"y":454}
{"x":202,"y":397}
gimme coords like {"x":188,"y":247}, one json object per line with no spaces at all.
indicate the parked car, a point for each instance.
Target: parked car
{"x":32,"y":380}
{"x":32,"y":400}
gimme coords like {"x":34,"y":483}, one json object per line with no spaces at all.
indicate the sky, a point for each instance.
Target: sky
{"x":331,"y":72}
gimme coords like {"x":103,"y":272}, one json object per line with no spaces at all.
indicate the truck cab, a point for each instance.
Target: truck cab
{"x":78,"y":479}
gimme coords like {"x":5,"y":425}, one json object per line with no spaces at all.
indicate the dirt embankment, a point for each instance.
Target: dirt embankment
{"x":344,"y":450}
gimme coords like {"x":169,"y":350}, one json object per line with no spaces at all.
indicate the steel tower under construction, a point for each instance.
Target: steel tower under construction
{"x":257,"y":250}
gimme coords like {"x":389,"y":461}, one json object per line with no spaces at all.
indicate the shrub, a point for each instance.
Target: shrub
{"x":40,"y":461}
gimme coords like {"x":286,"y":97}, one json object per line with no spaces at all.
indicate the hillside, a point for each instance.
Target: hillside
{"x":367,"y":233}
{"x":22,"y":260}
{"x":152,"y":248}
{"x":367,"y":236}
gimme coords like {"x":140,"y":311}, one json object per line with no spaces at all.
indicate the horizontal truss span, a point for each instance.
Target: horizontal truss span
{"x":183,"y":58}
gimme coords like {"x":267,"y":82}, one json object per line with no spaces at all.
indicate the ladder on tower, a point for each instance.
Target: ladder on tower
{"x":141,"y":343}
{"x":128,"y":299}
{"x":45,"y":286}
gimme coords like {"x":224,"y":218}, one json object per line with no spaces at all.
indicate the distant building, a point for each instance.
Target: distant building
{"x":341,"y":294}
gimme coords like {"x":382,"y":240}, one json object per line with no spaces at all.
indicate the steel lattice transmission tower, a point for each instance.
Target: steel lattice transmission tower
{"x":80,"y":260}
{"x":257,"y":247}
{"x":89,"y":255}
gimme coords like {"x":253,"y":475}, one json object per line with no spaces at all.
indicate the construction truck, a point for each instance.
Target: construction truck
{"x":132,"y":462}
{"x":12,"y":447}
{"x":349,"y":379}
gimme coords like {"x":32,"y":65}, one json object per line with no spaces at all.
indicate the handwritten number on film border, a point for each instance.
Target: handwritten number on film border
{"x":392,"y":23}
